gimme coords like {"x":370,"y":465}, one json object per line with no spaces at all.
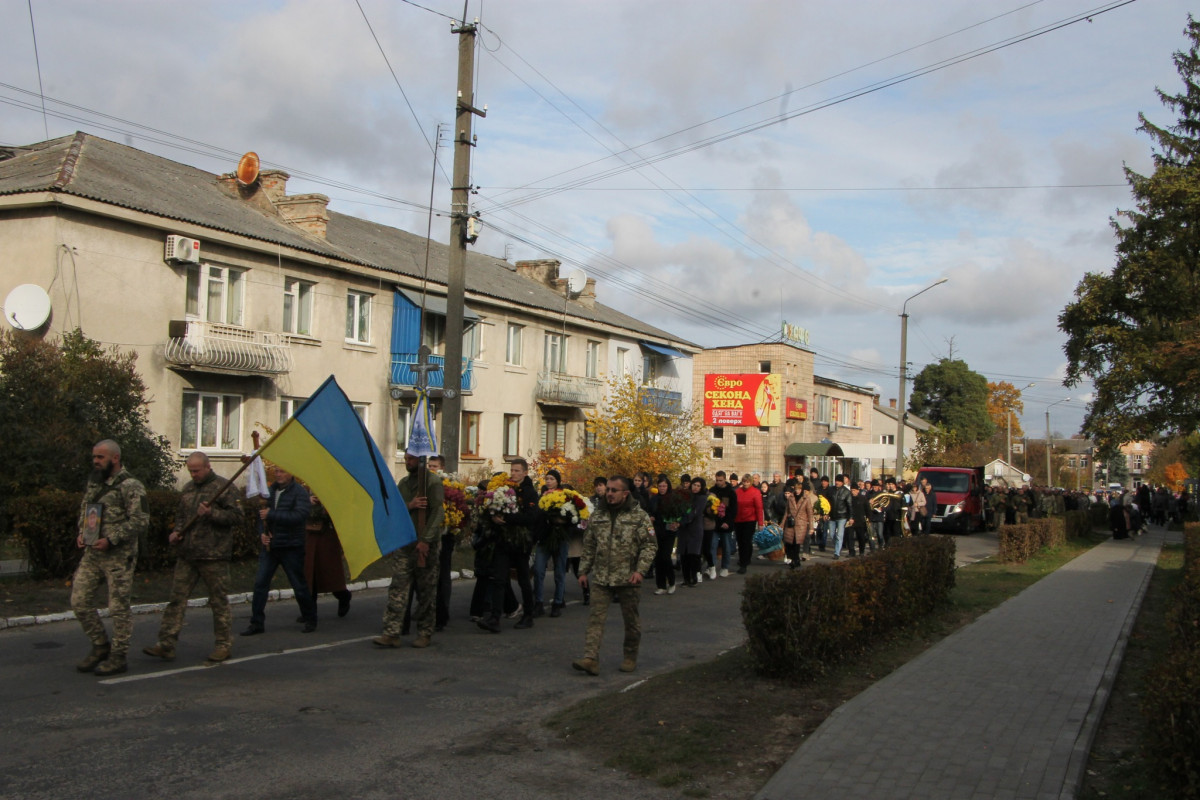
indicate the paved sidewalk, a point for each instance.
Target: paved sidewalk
{"x":1004,"y":709}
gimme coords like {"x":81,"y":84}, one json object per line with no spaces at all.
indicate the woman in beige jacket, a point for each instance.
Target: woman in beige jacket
{"x":799,"y":521}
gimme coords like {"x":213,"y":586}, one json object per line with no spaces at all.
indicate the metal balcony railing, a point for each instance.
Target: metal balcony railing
{"x":661,"y":400}
{"x":568,"y":390}
{"x":403,"y":375}
{"x":211,"y":345}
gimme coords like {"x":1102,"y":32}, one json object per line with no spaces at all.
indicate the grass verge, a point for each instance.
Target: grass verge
{"x":1117,"y":768}
{"x":719,"y":730}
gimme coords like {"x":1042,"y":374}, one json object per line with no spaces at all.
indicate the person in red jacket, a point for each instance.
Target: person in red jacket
{"x":749,"y":519}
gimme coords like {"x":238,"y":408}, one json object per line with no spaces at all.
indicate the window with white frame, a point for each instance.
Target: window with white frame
{"x":403,"y":420}
{"x":512,"y":435}
{"x":297,"y":306}
{"x":739,"y":439}
{"x":473,"y":341}
{"x":288,"y":406}
{"x":433,"y":333}
{"x":362,"y":409}
{"x":469,"y":433}
{"x":592,"y":368}
{"x":210,"y":421}
{"x":622,"y":361}
{"x":512,"y":350}
{"x":554,"y":434}
{"x":650,"y":366}
{"x":823,"y":409}
{"x":718,"y":453}
{"x":554,"y":353}
{"x":216,"y":294}
{"x":358,"y":317}
{"x":845,"y":415}
{"x":887,"y":438}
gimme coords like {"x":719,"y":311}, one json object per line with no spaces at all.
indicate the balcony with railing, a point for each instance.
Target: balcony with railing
{"x":403,"y":374}
{"x":661,"y":400}
{"x":559,"y":388}
{"x":214,"y":347}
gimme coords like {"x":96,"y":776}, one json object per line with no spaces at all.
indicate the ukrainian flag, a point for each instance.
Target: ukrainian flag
{"x":327,"y":446}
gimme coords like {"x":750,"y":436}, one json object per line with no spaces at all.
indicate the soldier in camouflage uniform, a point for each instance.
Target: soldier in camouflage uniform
{"x":618,"y":548}
{"x":416,"y":564}
{"x":998,"y":502}
{"x":115,"y":503}
{"x":1022,"y":503}
{"x":205,"y":549}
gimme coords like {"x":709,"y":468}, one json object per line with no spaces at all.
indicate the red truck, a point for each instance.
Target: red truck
{"x":959,"y":493}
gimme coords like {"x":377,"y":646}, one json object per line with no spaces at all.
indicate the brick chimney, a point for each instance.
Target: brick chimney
{"x":543,"y":271}
{"x":891,"y":402}
{"x":274,"y":183}
{"x":308,"y":212}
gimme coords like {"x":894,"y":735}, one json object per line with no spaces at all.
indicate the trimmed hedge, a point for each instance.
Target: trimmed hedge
{"x":1078,"y":524}
{"x":47,"y":524}
{"x":1171,"y":703}
{"x":802,"y":622}
{"x":1019,"y":542}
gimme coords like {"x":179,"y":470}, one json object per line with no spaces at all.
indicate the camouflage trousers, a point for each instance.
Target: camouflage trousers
{"x":215,"y":575}
{"x":628,"y":597}
{"x":405,"y":574}
{"x":116,"y":569}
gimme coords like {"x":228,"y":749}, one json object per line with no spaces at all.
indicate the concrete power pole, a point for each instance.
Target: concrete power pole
{"x":460,"y":236}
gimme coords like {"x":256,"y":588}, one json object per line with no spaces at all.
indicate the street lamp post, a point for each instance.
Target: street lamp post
{"x":1030,"y":386}
{"x":1048,"y":445}
{"x":901,"y":412}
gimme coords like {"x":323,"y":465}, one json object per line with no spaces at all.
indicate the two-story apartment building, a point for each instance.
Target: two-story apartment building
{"x":240,"y":299}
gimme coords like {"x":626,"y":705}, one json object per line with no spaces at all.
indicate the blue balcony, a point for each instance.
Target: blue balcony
{"x":661,"y":400}
{"x":403,"y":375}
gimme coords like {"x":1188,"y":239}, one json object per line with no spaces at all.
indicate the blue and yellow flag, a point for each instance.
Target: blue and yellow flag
{"x":327,"y":446}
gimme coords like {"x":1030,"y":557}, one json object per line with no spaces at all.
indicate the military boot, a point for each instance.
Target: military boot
{"x":113,"y":665}
{"x":386,"y":640}
{"x":160,"y":650}
{"x":588,"y":665}
{"x":629,"y":664}
{"x":98,"y":654}
{"x":220,"y":653}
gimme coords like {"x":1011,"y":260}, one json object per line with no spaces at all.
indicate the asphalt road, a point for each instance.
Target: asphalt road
{"x":326,"y":714}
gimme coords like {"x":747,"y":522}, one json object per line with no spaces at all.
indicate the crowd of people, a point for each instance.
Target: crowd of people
{"x":626,"y":531}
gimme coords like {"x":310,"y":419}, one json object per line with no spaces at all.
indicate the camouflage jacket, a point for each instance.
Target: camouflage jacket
{"x":435,"y":514}
{"x":210,"y":538}
{"x":125,"y":516}
{"x":619,"y":542}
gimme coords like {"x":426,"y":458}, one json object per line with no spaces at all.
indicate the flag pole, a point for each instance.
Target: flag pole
{"x":246,"y":462}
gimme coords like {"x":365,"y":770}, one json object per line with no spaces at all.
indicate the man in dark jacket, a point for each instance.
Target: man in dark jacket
{"x":203,"y":531}
{"x":839,"y":514}
{"x":285,"y":517}
{"x":514,"y":534}
{"x":723,"y":530}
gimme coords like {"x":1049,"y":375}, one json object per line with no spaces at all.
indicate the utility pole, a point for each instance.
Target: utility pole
{"x":459,"y":237}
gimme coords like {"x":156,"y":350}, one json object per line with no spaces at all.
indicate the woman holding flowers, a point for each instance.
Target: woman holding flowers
{"x":563,"y":510}
{"x":691,"y":535}
{"x":666,"y":524}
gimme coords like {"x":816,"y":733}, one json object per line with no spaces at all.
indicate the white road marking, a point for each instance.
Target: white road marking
{"x":179,"y":670}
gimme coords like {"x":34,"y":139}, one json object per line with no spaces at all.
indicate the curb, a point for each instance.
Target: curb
{"x":199,"y":602}
{"x":1091,"y":722}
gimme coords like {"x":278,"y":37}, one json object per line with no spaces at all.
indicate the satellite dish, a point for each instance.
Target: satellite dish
{"x":247,"y":169}
{"x":576,"y":283}
{"x":27,"y":307}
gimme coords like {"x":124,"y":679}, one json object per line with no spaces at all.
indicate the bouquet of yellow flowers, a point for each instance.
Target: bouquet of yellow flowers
{"x":456,"y":505}
{"x":564,"y":509}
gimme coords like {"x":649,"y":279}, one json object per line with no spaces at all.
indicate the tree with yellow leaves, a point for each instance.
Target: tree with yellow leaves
{"x":1003,"y":399}
{"x":632,"y":432}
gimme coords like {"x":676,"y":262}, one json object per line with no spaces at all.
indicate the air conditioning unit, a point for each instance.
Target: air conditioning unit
{"x":182,"y":250}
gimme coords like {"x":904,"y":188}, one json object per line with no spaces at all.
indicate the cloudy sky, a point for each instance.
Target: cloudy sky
{"x":717,"y":166}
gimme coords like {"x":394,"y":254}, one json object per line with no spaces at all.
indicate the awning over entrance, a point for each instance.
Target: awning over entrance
{"x":813,"y":449}
{"x":664,"y":350}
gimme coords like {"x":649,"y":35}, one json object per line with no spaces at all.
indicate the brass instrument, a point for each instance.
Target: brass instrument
{"x":880,"y":501}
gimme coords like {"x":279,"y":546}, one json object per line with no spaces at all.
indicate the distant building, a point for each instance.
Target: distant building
{"x":819,"y":422}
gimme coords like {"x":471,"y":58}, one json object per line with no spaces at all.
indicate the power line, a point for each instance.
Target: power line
{"x":810,"y":109}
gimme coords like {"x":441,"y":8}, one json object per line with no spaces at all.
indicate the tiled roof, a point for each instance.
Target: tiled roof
{"x":91,"y":167}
